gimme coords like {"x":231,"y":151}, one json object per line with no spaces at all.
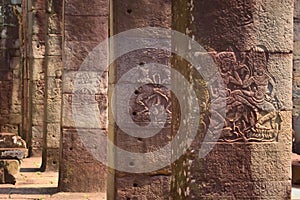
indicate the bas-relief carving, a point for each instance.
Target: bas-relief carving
{"x":152,"y":95}
{"x":86,"y":87}
{"x":252,"y":107}
{"x":55,"y":92}
{"x":40,"y":87}
{"x":148,"y":97}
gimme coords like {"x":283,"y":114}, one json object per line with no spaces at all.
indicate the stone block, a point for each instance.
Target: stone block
{"x":54,"y":85}
{"x":130,"y":14}
{"x":54,"y":63}
{"x":9,"y":169}
{"x":53,"y":135}
{"x":53,"y":112}
{"x":10,"y":140}
{"x":38,"y":49}
{"x":95,"y":82}
{"x":38,"y":92}
{"x":219,"y":25}
{"x":38,"y":25}
{"x":54,"y":24}
{"x":86,"y":28}
{"x":15,"y":118}
{"x":9,"y":128}
{"x":50,"y":159}
{"x":37,"y":5}
{"x":90,"y":111}
{"x":76,"y":159}
{"x":54,"y":45}
{"x":37,"y":114}
{"x":77,"y":51}
{"x":38,"y":66}
{"x":37,"y":137}
{"x":139,"y":59}
{"x":143,"y":187}
{"x":77,"y":7}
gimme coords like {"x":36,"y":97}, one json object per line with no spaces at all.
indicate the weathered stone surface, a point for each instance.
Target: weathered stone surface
{"x":143,"y":187}
{"x":37,"y":114}
{"x":130,"y":14}
{"x":86,"y":31}
{"x":139,"y":59}
{"x":38,"y":49}
{"x":53,"y":87}
{"x":76,"y":159}
{"x":38,"y":25}
{"x":51,"y":160}
{"x":94,"y":81}
{"x":253,"y":63}
{"x":82,"y":33}
{"x":76,"y":52}
{"x":10,"y":79}
{"x":53,"y":135}
{"x":54,"y":63}
{"x":54,"y":45}
{"x":10,"y":140}
{"x":9,"y":169}
{"x":155,"y":184}
{"x":37,"y":4}
{"x":77,"y":7}
{"x":92,"y":114}
{"x":244,"y":24}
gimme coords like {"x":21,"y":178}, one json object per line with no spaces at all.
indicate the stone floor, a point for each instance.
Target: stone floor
{"x":35,"y":185}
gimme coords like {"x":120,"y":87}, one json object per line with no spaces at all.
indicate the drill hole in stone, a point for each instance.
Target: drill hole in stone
{"x":53,"y":136}
{"x":38,"y":46}
{"x":131,"y":164}
{"x":136,"y":92}
{"x":142,"y":64}
{"x":140,"y":139}
{"x":135,"y":184}
{"x":129,"y":11}
{"x":54,"y":162}
{"x":127,"y":198}
{"x":71,"y":148}
{"x":134,"y":113}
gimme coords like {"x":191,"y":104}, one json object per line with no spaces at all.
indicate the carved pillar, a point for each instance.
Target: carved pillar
{"x":34,"y":75}
{"x":85,"y":26}
{"x":10,"y":67}
{"x":53,"y":87}
{"x":129,"y":15}
{"x":251,"y":44}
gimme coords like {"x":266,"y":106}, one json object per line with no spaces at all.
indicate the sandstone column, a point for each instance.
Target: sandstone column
{"x":85,"y":26}
{"x":129,"y":15}
{"x":34,"y":74}
{"x":53,"y":87}
{"x":251,"y":44}
{"x":10,"y":70}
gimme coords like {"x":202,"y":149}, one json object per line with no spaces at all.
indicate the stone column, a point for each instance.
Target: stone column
{"x":251,"y":44}
{"x":34,"y":83}
{"x":85,"y":26}
{"x":127,"y":15}
{"x":10,"y":67}
{"x":53,"y":87}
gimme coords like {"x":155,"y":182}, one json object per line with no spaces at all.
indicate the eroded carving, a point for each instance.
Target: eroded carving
{"x":39,"y":92}
{"x":252,"y":107}
{"x":151,"y":96}
{"x":55,"y":92}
